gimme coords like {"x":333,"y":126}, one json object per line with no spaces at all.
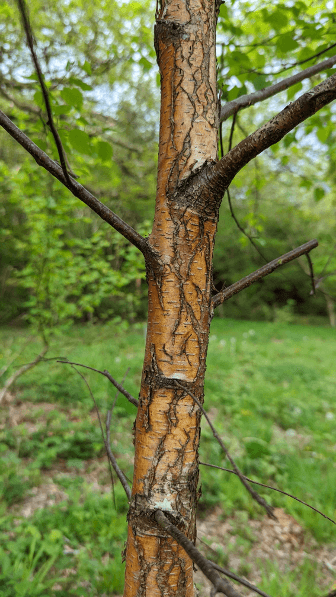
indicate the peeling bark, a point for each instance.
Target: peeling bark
{"x":179,"y":295}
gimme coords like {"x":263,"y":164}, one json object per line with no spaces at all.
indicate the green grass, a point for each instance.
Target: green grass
{"x":270,"y":389}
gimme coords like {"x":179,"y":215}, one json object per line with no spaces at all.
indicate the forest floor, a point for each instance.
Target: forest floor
{"x":271,"y":394}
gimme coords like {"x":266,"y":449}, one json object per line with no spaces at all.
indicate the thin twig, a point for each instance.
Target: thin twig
{"x":230,"y":574}
{"x":221,"y":139}
{"x":228,"y":470}
{"x":30,"y":40}
{"x":109,"y":376}
{"x":220,"y":585}
{"x":119,"y":472}
{"x":311,"y":273}
{"x":242,"y":581}
{"x":232,"y":131}
{"x":241,"y":228}
{"x":21,"y":371}
{"x":16,"y":356}
{"x":265,"y":270}
{"x":229,"y":197}
{"x":118,"y":392}
{"x":101,"y":426}
{"x":328,"y":261}
{"x":111,"y":456}
{"x":121,"y":475}
{"x":261,"y":501}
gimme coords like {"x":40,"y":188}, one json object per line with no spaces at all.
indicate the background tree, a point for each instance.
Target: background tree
{"x":178,"y":256}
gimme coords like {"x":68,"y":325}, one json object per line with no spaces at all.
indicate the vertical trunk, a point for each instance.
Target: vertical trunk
{"x":179,"y":280}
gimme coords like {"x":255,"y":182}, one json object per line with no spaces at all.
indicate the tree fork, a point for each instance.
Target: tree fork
{"x":179,"y":298}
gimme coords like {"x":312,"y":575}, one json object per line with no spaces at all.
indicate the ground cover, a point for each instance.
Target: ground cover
{"x":270,"y":391}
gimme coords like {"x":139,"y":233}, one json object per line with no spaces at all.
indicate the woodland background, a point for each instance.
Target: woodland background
{"x":68,"y":279}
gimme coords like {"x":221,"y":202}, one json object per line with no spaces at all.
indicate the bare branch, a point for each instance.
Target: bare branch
{"x":270,"y":487}
{"x":311,"y":273}
{"x":242,"y":581}
{"x":220,"y":585}
{"x":113,"y":459}
{"x":30,"y":41}
{"x":106,"y":440}
{"x":242,"y":478}
{"x":42,"y":159}
{"x":223,"y":172}
{"x":250,"y":99}
{"x":11,"y":380}
{"x":109,"y":376}
{"x":263,"y":271}
{"x":239,"y":226}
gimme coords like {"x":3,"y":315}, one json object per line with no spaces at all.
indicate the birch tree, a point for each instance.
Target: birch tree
{"x":191,"y":183}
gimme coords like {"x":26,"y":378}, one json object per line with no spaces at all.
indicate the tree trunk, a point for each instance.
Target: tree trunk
{"x":179,"y":289}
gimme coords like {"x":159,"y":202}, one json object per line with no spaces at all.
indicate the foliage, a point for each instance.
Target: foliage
{"x":110,"y":138}
{"x":275,"y":411}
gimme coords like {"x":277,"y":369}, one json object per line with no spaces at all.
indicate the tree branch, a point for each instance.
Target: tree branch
{"x":42,"y":159}
{"x":242,"y":581}
{"x":228,"y":470}
{"x":30,"y":41}
{"x":109,"y":376}
{"x":260,"y":500}
{"x":250,"y":99}
{"x":263,"y":271}
{"x":21,"y":371}
{"x":223,"y":172}
{"x":111,"y":458}
{"x":220,"y":585}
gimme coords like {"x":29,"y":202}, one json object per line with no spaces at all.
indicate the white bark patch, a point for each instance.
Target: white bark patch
{"x":165,"y":505}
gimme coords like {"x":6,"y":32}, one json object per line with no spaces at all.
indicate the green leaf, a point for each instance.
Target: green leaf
{"x":80,"y":141}
{"x":319,"y":193}
{"x":278,"y":19}
{"x":286,"y":43}
{"x":293,"y":90}
{"x":72,"y":97}
{"x":87,"y":67}
{"x":63,"y":109}
{"x":38,"y":99}
{"x":146,"y":65}
{"x":259,"y":82}
{"x":105,"y":150}
{"x":80,"y":83}
{"x":323,"y":134}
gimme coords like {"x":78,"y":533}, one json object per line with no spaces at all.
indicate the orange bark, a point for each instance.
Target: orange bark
{"x":179,"y":292}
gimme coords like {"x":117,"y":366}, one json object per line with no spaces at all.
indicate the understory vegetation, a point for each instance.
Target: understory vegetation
{"x":270,"y":391}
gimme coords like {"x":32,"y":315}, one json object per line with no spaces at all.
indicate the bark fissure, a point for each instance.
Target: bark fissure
{"x":179,"y":298}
